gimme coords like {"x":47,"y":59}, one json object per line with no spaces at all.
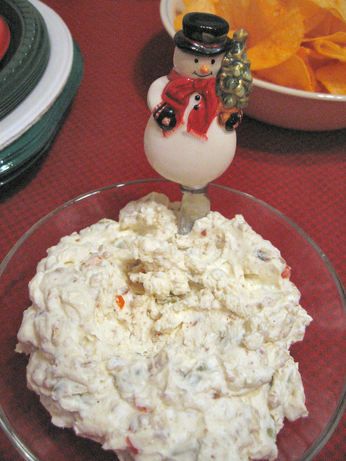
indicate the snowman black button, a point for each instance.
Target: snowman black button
{"x":197,"y":98}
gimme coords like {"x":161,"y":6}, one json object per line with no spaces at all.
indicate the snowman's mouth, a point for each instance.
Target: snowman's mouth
{"x":202,"y":75}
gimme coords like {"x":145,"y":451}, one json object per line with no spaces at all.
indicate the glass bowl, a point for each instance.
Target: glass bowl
{"x":320,"y":354}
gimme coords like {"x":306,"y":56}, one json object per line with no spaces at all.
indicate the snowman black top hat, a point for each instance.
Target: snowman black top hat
{"x":204,"y":34}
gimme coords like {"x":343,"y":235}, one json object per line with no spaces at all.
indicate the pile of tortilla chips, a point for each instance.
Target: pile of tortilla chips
{"x":295,"y":43}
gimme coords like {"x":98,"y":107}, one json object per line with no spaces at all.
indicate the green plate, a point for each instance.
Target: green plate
{"x":21,"y":154}
{"x":28,"y":55}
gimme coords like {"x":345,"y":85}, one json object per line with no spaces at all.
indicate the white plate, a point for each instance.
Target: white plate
{"x":280,"y":105}
{"x":51,"y":83}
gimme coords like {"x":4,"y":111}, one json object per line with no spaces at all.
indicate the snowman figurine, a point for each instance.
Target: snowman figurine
{"x":190,"y":137}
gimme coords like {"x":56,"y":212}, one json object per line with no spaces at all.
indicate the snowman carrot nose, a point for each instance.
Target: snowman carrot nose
{"x":204,"y":69}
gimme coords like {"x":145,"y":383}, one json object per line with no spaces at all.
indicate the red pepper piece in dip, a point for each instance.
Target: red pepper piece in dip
{"x":132,"y":449}
{"x":120,"y":301}
{"x":286,"y":273}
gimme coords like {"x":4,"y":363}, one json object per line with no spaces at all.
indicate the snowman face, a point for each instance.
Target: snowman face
{"x":195,"y":66}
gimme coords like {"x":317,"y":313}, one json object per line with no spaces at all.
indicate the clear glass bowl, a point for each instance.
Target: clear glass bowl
{"x":321,"y":355}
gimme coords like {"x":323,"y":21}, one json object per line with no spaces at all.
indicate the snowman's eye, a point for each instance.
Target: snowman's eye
{"x":213,"y":61}
{"x":196,"y":60}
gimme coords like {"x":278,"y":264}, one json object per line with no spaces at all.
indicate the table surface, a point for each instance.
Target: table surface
{"x":125,"y":48}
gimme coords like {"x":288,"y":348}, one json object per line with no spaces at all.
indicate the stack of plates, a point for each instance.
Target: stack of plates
{"x":39,"y":76}
{"x":5,"y":36}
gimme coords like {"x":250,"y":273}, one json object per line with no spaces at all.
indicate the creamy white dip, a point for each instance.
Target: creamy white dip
{"x":163,"y":346}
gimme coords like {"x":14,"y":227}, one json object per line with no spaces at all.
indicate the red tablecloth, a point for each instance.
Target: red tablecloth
{"x":125,"y":48}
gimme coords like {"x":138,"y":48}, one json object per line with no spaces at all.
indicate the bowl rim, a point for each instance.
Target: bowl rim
{"x":165,"y":8}
{"x":330,"y":427}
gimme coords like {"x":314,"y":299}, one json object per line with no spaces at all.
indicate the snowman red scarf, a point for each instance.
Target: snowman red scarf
{"x":177,"y":94}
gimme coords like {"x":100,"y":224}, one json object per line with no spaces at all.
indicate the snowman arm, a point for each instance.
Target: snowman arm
{"x":155,"y":92}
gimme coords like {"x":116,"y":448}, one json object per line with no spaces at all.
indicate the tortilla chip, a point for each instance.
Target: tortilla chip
{"x":281,"y":42}
{"x":275,"y":32}
{"x":333,"y":78}
{"x":314,"y":60}
{"x":337,"y":25}
{"x":319,"y":20}
{"x":331,"y":46}
{"x":327,"y":26}
{"x":336,"y":7}
{"x":312,"y":14}
{"x":295,"y":72}
{"x":203,"y":6}
{"x":289,"y":40}
{"x":257,"y":17}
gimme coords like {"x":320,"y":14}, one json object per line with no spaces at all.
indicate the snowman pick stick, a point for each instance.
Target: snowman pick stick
{"x":190,"y":137}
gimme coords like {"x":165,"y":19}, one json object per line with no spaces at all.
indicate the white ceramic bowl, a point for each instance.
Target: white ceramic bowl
{"x":280,"y":105}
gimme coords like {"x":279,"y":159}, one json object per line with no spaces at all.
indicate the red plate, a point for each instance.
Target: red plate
{"x":5,"y":37}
